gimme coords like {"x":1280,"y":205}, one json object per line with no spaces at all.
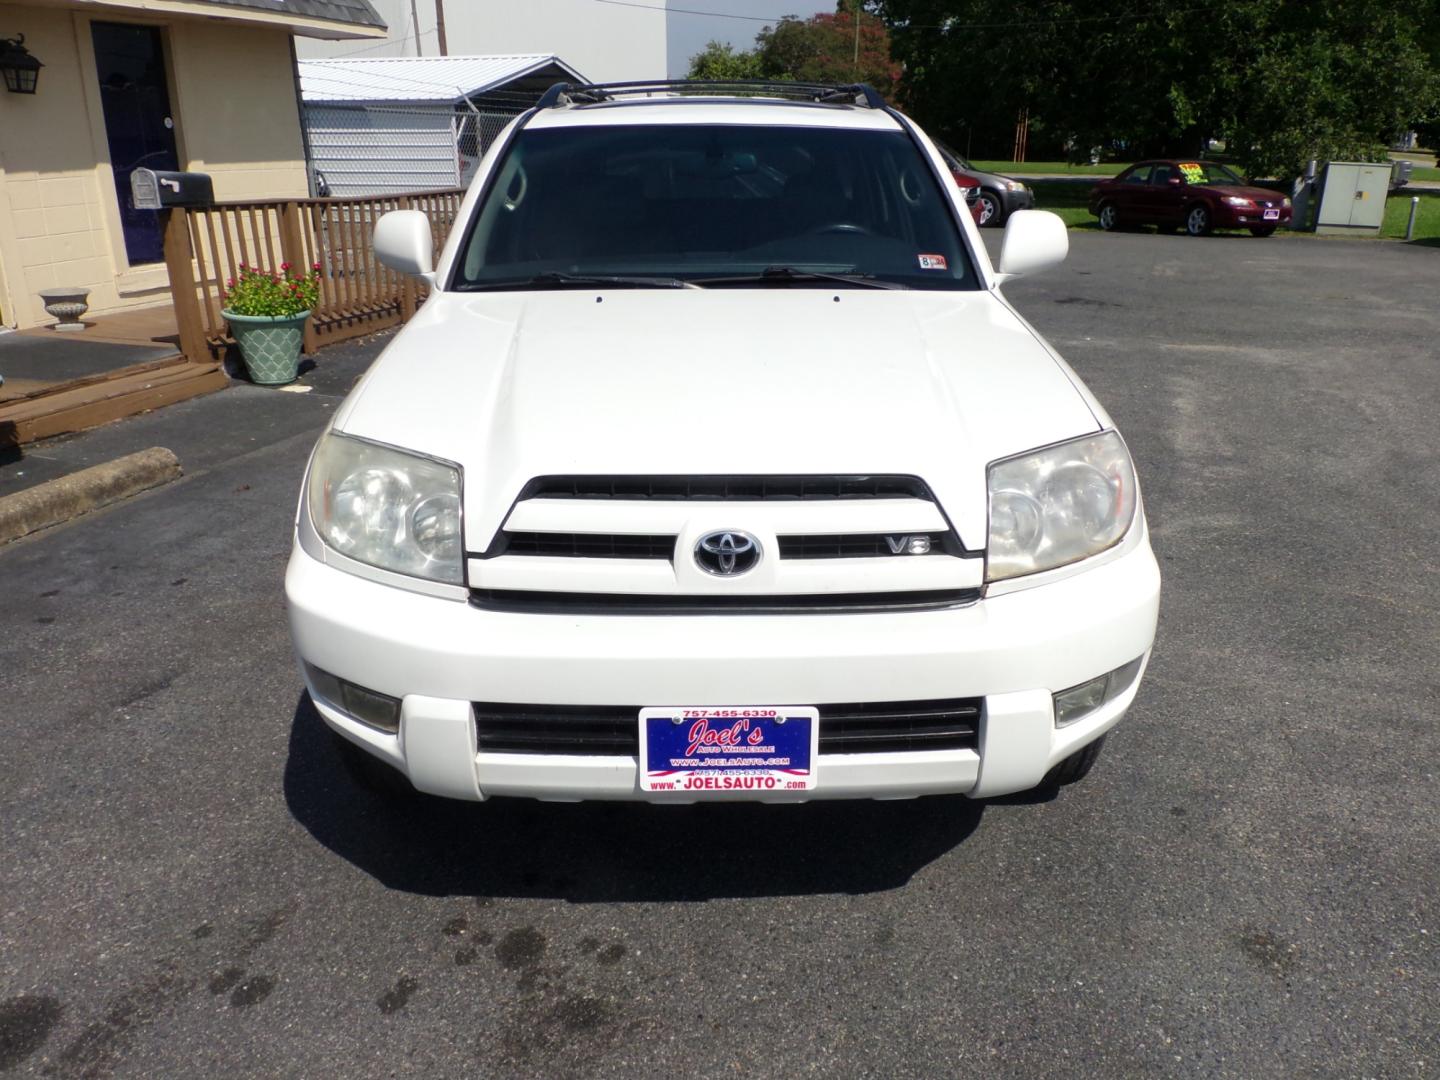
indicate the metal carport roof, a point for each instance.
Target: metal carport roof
{"x":432,"y":79}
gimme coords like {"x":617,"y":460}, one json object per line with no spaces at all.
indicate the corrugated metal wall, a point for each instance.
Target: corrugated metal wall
{"x":380,"y":149}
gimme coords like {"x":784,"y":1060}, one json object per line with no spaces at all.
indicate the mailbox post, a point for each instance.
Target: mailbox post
{"x":171,"y":193}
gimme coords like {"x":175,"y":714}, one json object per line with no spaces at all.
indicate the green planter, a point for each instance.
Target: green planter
{"x":269,"y":345}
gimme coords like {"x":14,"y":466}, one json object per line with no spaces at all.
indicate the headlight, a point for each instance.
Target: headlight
{"x":1285,"y":201}
{"x":1014,"y":185}
{"x":385,"y":507}
{"x":1239,"y":200}
{"x":1054,"y":506}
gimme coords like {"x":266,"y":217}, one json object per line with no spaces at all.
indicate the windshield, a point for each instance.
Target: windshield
{"x":713,"y":206}
{"x":1207,"y":172}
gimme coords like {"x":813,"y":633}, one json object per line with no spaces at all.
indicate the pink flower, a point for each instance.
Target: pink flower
{"x":284,"y":266}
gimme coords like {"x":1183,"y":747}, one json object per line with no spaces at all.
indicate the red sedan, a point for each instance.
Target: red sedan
{"x":1197,"y":196}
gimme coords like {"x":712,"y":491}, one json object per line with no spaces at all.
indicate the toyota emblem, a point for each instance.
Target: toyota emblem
{"x":727,"y":553}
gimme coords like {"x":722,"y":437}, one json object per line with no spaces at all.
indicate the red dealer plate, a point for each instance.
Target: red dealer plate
{"x":717,"y":749}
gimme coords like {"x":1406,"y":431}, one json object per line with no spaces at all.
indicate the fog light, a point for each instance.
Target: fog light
{"x":1072,"y":704}
{"x":1079,"y":701}
{"x":377,"y":710}
{"x":368,"y":706}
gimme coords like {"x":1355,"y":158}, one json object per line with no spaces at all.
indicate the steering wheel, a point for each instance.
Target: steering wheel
{"x":847,"y":227}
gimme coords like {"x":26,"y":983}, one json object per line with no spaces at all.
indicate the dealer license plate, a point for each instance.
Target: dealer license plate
{"x":739,"y":749}
{"x":1271,"y":215}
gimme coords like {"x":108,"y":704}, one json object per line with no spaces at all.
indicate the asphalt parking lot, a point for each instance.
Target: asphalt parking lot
{"x":1248,"y":884}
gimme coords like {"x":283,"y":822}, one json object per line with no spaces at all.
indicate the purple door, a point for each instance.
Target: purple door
{"x":138,"y":123}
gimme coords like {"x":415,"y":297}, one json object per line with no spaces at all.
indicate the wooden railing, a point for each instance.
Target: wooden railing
{"x":205,"y":247}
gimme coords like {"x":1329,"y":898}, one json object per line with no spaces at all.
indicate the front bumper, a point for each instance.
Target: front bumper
{"x":1236,"y":217}
{"x":439,"y":655}
{"x":1023,"y":199}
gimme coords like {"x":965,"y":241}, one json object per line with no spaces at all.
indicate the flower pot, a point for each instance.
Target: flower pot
{"x":269,"y":345}
{"x":68,"y":305}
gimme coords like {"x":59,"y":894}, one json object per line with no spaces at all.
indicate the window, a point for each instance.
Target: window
{"x":696,"y":201}
{"x":1208,"y":172}
{"x":1140,"y":174}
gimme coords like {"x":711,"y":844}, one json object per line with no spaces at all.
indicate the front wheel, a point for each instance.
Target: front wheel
{"x":992,"y":210}
{"x":370,"y":773}
{"x":1197,"y":221}
{"x":1109,"y":217}
{"x":1262,"y":230}
{"x":1075,"y":767}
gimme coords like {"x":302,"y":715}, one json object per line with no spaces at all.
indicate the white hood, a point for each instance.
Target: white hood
{"x":718,"y":381}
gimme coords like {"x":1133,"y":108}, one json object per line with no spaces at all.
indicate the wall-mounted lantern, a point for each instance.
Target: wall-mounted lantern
{"x":21,"y":70}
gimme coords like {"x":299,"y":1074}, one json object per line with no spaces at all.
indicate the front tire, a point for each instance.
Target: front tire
{"x":370,"y":773}
{"x":1197,"y":220}
{"x":1262,"y":230}
{"x":1075,"y":767}
{"x":1109,"y":217}
{"x":992,"y":210}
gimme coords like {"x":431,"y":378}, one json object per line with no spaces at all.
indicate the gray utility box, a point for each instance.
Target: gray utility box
{"x":1354,"y":198}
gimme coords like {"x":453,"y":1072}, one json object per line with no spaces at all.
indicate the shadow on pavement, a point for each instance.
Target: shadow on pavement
{"x":603,"y":852}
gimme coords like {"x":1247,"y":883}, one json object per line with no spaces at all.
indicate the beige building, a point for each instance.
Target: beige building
{"x":189,"y":85}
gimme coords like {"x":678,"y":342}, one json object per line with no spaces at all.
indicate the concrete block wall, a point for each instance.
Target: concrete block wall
{"x":233,"y":99}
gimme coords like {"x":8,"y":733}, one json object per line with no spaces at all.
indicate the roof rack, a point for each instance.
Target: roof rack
{"x":823,"y":93}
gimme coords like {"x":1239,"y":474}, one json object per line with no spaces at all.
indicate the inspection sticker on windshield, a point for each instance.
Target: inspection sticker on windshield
{"x":744,"y":748}
{"x":932,"y":262}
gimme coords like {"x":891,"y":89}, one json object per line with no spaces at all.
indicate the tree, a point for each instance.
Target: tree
{"x":721,"y":61}
{"x":822,"y":49}
{"x":1280,"y":81}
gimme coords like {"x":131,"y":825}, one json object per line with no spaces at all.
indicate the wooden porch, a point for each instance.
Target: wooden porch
{"x":131,"y":364}
{"x":177,"y":351}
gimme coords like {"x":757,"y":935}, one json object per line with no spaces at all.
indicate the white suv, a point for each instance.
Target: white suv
{"x":717,"y":466}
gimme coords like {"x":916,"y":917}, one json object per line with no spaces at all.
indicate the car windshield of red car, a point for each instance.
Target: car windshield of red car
{"x":1207,"y":172}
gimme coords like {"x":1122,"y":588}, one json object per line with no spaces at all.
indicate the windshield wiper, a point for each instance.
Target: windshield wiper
{"x":791,"y":275}
{"x":558,"y":279}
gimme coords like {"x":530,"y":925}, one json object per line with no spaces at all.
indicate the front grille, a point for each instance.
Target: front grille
{"x":586,"y":545}
{"x":534,"y":602}
{"x":629,"y":546}
{"x":863,"y":728}
{"x":857,"y":545}
{"x":556,"y":729}
{"x":735,"y":488}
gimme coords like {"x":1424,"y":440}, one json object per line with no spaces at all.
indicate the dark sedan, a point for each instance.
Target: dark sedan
{"x":997,"y":197}
{"x":1196,"y":196}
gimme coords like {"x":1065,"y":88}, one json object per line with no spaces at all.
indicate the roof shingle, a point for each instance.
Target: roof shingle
{"x":354,"y":12}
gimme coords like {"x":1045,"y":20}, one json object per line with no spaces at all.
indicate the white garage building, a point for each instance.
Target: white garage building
{"x":376,"y":126}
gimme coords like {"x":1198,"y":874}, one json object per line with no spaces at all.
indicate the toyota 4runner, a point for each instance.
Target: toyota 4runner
{"x":716,"y":465}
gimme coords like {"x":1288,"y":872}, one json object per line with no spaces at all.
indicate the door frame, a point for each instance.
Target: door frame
{"x":146,"y":276}
{"x":9,"y":314}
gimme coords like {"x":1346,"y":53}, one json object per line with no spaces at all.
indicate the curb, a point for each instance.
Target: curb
{"x":57,"y":501}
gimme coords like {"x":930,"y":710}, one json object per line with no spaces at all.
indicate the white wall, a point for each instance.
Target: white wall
{"x":602,"y":41}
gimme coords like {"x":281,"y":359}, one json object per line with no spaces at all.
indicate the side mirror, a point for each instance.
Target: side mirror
{"x":403,"y":242}
{"x":1035,"y":240}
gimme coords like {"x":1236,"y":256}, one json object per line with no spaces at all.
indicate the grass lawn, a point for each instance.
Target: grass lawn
{"x":1029,"y":168}
{"x":1068,"y":199}
{"x":1427,"y":220}
{"x":1421,"y":172}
